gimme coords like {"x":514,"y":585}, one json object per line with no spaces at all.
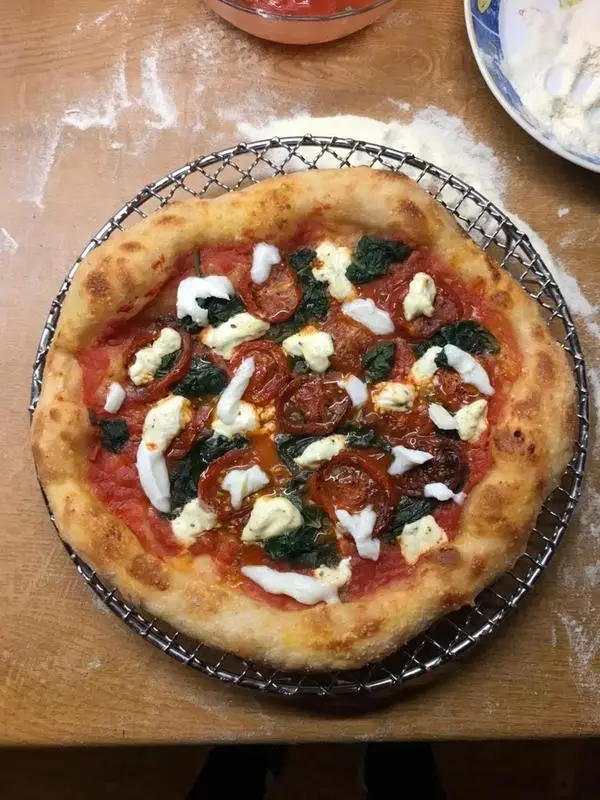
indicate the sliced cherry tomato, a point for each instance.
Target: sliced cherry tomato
{"x":447,"y":465}
{"x":271,"y":371}
{"x":403,"y":361}
{"x":275,"y":300}
{"x":312,"y":405}
{"x":234,"y":262}
{"x":209,"y":485}
{"x":182,"y":444}
{"x":451,"y":391}
{"x":158,"y":388}
{"x":353,"y":481}
{"x":402,"y":423}
{"x":351,"y":341}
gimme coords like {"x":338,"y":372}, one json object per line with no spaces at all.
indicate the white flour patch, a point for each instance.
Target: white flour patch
{"x":102,"y":109}
{"x":100,"y":605}
{"x":8,"y":244}
{"x":97,"y":22}
{"x":553,"y":636}
{"x":39,"y":163}
{"x":562,"y":212}
{"x":155,"y":93}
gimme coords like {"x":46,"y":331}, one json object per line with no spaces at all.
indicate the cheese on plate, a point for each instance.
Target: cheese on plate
{"x":405,"y":459}
{"x":442,"y":492}
{"x":356,"y":389}
{"x":242,"y":482}
{"x":420,"y":297}
{"x":264,"y":257}
{"x":368,"y":314}
{"x":469,"y":369}
{"x":305,"y":589}
{"x":311,"y":344}
{"x":424,"y":368}
{"x":192,"y":520}
{"x":192,"y":289}
{"x":147,"y":360}
{"x":246,"y":419}
{"x":333,"y":263}
{"x":231,"y":395}
{"x":393,"y":396}
{"x":419,"y":537}
{"x":321,"y":450}
{"x":271,"y":516}
{"x":237,"y":329}
{"x":360,"y":526}
{"x":114,"y":398}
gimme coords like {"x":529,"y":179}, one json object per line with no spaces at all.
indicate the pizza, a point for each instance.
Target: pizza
{"x":303,"y":420}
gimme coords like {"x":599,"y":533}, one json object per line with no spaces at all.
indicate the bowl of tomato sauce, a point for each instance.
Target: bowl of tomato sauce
{"x":301,"y":21}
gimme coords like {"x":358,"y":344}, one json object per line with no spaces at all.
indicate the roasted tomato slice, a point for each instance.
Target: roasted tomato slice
{"x":353,"y":481}
{"x":214,"y":496}
{"x":451,"y":391}
{"x":182,"y":444}
{"x":233,"y":262}
{"x":312,"y":405}
{"x":351,"y":341}
{"x":275,"y":300}
{"x":157,"y":388}
{"x":447,"y":465}
{"x":271,"y":371}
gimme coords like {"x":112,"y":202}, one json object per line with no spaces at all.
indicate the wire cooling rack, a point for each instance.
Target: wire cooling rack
{"x":455,"y":634}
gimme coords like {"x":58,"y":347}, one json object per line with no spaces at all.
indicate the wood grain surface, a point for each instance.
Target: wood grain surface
{"x":96,"y":99}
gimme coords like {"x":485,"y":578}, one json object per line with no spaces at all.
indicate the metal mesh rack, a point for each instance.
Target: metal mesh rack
{"x":452,"y":636}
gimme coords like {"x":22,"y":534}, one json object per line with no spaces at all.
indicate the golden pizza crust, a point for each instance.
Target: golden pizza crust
{"x":531,"y":443}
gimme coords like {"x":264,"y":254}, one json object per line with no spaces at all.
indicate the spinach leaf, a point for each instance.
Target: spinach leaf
{"x":202,"y":378}
{"x":373,"y":257}
{"x":296,"y":487}
{"x":166,"y":364}
{"x":290,"y":447}
{"x":220,"y":310}
{"x":301,"y":260}
{"x":364,"y":437}
{"x":114,"y":434}
{"x":305,"y":548}
{"x":186,"y":473}
{"x":378,"y":360}
{"x":280,"y":331}
{"x":409,"y":509}
{"x":314,"y":303}
{"x":468,"y":335}
{"x":188,"y":324}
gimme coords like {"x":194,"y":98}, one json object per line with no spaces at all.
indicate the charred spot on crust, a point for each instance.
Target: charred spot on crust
{"x":54,"y":414}
{"x":97,"y":285}
{"x":495,"y":271}
{"x":111,"y":542}
{"x":132,"y":246}
{"x":512,"y":441}
{"x":478,"y":566}
{"x":502,"y":300}
{"x":545,"y":367}
{"x":147,"y":569}
{"x":173,"y":220}
{"x":158,"y":263}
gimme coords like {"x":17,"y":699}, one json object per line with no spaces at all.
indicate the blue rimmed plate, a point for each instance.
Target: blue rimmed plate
{"x":484,"y":20}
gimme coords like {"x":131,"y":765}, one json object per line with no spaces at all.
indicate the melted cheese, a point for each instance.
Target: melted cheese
{"x":304,"y":589}
{"x":271,"y":516}
{"x":392,"y":396}
{"x":470,"y":421}
{"x":237,"y":329}
{"x":311,"y":344}
{"x":356,"y":389}
{"x":192,"y":520}
{"x":424,"y":368}
{"x":264,"y":257}
{"x":192,"y":289}
{"x":420,"y":537}
{"x":321,"y":450}
{"x":331,"y":269}
{"x":420,"y":297}
{"x":246,"y":419}
{"x":442,"y":492}
{"x":147,"y":360}
{"x":229,"y":401}
{"x":441,"y":417}
{"x":360,"y":526}
{"x":469,"y":369}
{"x":368,"y":314}
{"x":405,"y":459}
{"x":242,"y":482}
{"x":114,"y":398}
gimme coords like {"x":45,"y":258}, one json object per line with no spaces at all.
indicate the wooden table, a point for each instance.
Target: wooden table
{"x":98,"y":98}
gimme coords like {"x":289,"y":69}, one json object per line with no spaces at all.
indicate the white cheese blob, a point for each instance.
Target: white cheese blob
{"x":194,"y":288}
{"x":356,"y":389}
{"x":424,"y":368}
{"x":246,"y":419}
{"x":405,"y":459}
{"x":242,"y":482}
{"x":154,"y":477}
{"x":164,"y":421}
{"x":192,"y":520}
{"x":147,"y":360}
{"x":419,"y":537}
{"x":322,"y":450}
{"x":336,"y":577}
{"x":231,"y":395}
{"x":442,"y":492}
{"x":360,"y":527}
{"x":271,"y":516}
{"x":469,"y":369}
{"x":323,"y":588}
{"x":264,"y":256}
{"x":114,"y":398}
{"x":331,"y":269}
{"x":392,"y":396}
{"x":420,"y":297}
{"x":237,"y":329}
{"x":312,"y":345}
{"x":471,"y":420}
{"x":369,"y":315}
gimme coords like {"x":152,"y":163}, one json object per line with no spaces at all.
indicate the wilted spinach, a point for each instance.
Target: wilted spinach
{"x":114,"y":434}
{"x":468,"y":335}
{"x":290,"y":447}
{"x":202,"y":378}
{"x":409,"y":509}
{"x":364,"y":437}
{"x":166,"y":364}
{"x":378,"y":361}
{"x":373,"y":257}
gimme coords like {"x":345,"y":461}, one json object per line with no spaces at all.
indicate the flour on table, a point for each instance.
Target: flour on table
{"x":562,"y":212}
{"x":8,"y":244}
{"x":155,"y":93}
{"x":555,"y":67}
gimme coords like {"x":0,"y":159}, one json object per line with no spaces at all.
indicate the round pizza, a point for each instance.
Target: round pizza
{"x":303,"y":420}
